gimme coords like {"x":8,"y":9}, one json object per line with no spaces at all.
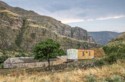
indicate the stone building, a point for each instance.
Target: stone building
{"x":30,"y":62}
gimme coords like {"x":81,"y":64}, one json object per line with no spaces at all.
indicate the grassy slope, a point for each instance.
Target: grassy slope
{"x":78,"y":75}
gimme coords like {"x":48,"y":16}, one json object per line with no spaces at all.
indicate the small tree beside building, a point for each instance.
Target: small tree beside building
{"x":45,"y":50}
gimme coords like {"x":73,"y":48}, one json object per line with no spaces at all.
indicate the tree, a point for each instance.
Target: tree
{"x":45,"y":50}
{"x":3,"y":58}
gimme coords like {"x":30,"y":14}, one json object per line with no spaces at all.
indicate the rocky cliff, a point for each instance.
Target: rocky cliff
{"x":22,"y":29}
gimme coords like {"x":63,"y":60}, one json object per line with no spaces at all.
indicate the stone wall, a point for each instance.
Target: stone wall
{"x":32,"y":65}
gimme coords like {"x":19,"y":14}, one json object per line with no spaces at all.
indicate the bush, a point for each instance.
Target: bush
{"x":3,"y":58}
{"x":115,"y":78}
{"x":1,"y":65}
{"x":114,"y":52}
{"x":111,"y":58}
{"x":91,"y":78}
{"x":21,"y":54}
{"x":99,"y":62}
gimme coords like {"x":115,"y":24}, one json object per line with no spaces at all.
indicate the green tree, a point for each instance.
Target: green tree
{"x":3,"y":58}
{"x":45,"y":50}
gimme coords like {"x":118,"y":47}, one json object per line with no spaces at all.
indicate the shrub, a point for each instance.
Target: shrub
{"x":21,"y":54}
{"x":99,"y":62}
{"x":114,"y":52}
{"x":1,"y":65}
{"x":111,"y":58}
{"x":117,"y":78}
{"x":3,"y":58}
{"x":114,"y":78}
{"x":91,"y":78}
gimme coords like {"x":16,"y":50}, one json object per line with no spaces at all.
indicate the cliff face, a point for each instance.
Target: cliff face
{"x":53,"y":24}
{"x":22,"y":29}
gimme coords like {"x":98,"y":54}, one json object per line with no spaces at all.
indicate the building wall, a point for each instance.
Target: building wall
{"x":75,"y":54}
{"x":25,"y":65}
{"x":31,"y":65}
{"x":85,"y":54}
{"x":72,"y":54}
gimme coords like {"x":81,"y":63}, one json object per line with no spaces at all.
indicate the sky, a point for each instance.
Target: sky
{"x":92,"y":15}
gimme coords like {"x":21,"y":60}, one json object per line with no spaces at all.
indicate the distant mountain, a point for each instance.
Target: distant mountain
{"x":22,"y":29}
{"x":103,"y":37}
{"x":120,"y":37}
{"x":118,"y":42}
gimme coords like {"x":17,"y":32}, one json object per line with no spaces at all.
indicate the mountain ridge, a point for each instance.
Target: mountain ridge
{"x":103,"y":37}
{"x":22,"y":29}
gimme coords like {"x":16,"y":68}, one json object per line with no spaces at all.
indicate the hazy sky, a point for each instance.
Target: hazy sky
{"x":92,"y":15}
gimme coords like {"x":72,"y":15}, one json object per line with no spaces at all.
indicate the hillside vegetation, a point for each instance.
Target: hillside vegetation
{"x":115,"y":49}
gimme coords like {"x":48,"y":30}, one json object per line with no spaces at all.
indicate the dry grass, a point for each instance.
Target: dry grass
{"x":78,"y":75}
{"x":9,"y":12}
{"x":99,"y":52}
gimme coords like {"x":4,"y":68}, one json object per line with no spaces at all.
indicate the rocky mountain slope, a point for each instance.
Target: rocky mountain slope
{"x":22,"y":29}
{"x":103,"y":37}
